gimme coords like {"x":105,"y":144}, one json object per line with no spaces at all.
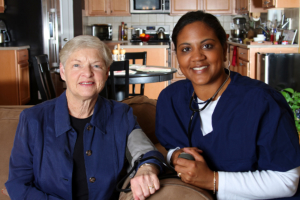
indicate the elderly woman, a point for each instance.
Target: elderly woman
{"x":74,"y":146}
{"x":242,"y":133}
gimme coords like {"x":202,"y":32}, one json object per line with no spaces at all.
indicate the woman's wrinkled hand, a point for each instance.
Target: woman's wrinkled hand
{"x":145,"y":182}
{"x":194,"y":172}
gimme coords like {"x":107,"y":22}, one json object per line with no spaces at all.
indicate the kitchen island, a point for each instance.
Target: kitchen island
{"x":14,"y":76}
{"x":157,"y":55}
{"x":247,"y":56}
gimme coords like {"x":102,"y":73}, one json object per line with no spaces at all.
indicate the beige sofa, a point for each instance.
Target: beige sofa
{"x":9,"y":118}
{"x":143,"y":108}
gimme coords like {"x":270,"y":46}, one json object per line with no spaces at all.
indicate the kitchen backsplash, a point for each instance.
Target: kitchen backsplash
{"x":148,"y":19}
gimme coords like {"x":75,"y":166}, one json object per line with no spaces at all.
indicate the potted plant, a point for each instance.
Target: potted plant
{"x":293,"y":99}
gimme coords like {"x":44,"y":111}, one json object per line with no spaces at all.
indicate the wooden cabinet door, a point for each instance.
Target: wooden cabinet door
{"x":184,"y":6}
{"x":281,"y":3}
{"x":118,"y":7}
{"x":96,"y":7}
{"x":24,"y":86}
{"x":241,"y":6}
{"x":243,"y":67}
{"x":217,"y":6}
{"x":1,"y":6}
{"x":237,"y":5}
{"x":244,"y":5}
{"x":268,"y":4}
{"x":287,"y":3}
{"x":178,"y":75}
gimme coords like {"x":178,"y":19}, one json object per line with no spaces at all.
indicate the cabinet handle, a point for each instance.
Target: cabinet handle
{"x":105,"y":12}
{"x":266,"y":2}
{"x":111,"y":11}
{"x":241,"y":64}
{"x":242,"y":53}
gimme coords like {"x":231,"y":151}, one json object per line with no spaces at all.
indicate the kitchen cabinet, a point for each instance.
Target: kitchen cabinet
{"x":249,"y":6}
{"x":174,"y":63}
{"x":179,"y":7}
{"x":107,"y":8}
{"x":242,"y":65}
{"x":14,"y":77}
{"x":281,"y":3}
{"x":218,"y":6}
{"x":1,"y":6}
{"x":246,"y":63}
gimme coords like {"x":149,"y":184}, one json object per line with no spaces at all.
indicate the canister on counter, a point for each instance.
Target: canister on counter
{"x":284,"y":42}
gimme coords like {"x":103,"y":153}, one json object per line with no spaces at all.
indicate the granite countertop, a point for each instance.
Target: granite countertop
{"x":14,"y":47}
{"x":263,"y":45}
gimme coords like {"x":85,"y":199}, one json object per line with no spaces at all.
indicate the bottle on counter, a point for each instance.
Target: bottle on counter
{"x":123,"y":30}
{"x":122,"y":54}
{"x":272,"y":35}
{"x":115,"y":54}
{"x":125,"y":36}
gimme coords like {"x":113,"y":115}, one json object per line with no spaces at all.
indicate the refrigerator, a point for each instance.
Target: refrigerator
{"x":44,"y":25}
{"x":279,"y":70}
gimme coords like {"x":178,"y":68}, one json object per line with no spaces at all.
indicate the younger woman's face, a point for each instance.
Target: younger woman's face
{"x":200,"y":54}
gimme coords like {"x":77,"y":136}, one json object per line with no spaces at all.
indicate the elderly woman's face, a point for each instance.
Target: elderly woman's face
{"x":85,"y":74}
{"x":200,"y":54}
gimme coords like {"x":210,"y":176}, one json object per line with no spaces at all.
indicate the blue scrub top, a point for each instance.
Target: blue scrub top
{"x":253,"y":127}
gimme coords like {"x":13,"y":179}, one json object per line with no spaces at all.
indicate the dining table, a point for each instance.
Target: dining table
{"x":141,"y":74}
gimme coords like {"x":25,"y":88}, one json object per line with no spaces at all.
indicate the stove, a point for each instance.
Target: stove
{"x":152,"y":31}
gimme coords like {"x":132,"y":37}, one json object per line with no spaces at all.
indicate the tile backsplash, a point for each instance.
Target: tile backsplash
{"x":148,"y":19}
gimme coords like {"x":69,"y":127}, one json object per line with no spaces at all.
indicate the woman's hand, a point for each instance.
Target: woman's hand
{"x":194,"y":172}
{"x":145,"y":182}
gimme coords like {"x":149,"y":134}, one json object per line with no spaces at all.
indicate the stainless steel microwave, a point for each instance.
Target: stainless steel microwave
{"x":149,"y":6}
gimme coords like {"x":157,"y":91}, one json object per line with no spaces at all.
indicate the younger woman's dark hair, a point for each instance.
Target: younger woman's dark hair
{"x":201,"y":16}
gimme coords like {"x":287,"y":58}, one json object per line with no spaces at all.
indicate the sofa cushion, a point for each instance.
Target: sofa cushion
{"x":9,"y":119}
{"x":145,"y":110}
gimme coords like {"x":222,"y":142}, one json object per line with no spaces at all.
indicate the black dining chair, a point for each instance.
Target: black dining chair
{"x":136,"y":56}
{"x":43,"y":77}
{"x":113,"y":90}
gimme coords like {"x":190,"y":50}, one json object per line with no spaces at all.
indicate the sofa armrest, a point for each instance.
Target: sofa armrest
{"x":172,"y":188}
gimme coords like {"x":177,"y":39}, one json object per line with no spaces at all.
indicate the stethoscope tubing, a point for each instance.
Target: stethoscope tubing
{"x":189,"y":134}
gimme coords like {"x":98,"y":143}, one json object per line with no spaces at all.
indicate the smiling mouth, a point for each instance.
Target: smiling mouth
{"x":199,"y":68}
{"x":86,"y":83}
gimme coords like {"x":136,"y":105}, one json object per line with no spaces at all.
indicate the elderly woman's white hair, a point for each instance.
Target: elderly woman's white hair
{"x":83,"y":42}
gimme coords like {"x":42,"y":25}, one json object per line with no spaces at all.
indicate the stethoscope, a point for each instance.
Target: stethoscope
{"x":198,"y":110}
